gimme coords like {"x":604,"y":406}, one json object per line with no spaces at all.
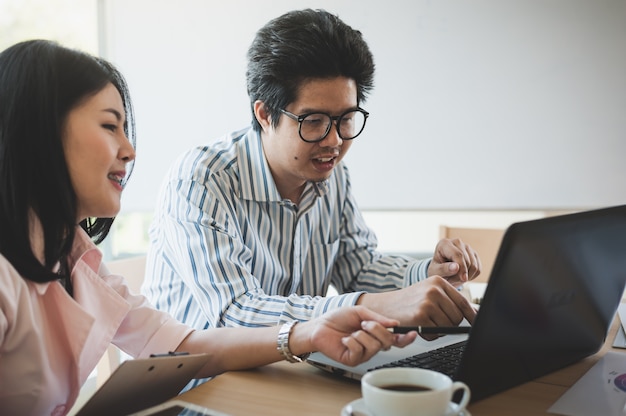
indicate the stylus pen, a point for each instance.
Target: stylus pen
{"x":169,"y":354}
{"x":431,"y":329}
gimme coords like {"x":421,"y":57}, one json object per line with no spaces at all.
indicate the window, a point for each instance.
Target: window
{"x":73,"y":24}
{"x":70,"y":22}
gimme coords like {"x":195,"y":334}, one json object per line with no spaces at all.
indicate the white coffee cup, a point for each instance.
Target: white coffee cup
{"x":412,"y":391}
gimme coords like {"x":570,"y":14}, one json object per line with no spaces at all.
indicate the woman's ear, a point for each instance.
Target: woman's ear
{"x":262,"y":115}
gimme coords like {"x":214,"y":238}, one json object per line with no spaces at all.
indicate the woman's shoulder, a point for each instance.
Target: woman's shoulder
{"x":8,"y":274}
{"x":12,"y":285}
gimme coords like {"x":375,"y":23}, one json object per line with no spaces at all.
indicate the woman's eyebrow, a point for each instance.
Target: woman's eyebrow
{"x":113,"y":111}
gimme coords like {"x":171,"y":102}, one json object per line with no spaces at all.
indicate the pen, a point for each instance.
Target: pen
{"x":169,"y":354}
{"x":431,"y":329}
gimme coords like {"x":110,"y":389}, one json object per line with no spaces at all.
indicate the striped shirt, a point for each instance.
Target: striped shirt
{"x":227,"y":250}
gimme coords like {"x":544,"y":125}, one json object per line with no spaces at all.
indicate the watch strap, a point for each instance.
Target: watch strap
{"x":282,"y":343}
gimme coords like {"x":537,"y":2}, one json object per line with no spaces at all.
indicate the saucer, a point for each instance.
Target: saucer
{"x":357,"y":408}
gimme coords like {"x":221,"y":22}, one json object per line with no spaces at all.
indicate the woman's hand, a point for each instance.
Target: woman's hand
{"x":348,"y":335}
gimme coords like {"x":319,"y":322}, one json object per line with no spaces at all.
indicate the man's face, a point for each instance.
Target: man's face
{"x":293,"y":161}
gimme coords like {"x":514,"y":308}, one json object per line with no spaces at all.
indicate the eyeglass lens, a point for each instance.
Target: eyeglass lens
{"x":316,"y":126}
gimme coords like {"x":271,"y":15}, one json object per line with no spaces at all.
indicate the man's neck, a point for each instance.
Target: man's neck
{"x":294,"y":194}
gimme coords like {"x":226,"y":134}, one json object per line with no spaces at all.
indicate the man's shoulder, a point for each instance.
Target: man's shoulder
{"x":211,"y":158}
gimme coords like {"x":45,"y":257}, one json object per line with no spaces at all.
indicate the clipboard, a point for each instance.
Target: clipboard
{"x":142,"y":383}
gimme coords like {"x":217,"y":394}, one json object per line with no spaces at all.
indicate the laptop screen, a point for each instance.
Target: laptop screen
{"x":553,"y":291}
{"x":551,"y":297}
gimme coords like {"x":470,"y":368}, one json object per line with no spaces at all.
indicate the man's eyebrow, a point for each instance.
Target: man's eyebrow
{"x":309,"y":110}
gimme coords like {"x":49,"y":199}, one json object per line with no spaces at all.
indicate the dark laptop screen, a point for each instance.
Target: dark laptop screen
{"x":552,"y":294}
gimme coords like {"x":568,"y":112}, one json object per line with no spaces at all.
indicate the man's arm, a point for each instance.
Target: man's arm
{"x":395,"y":285}
{"x":199,"y":267}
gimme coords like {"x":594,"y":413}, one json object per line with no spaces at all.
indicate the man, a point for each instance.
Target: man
{"x":252,"y":231}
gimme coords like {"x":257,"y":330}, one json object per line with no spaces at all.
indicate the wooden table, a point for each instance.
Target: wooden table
{"x":300,"y":389}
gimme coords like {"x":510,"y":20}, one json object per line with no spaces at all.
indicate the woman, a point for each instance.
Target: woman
{"x":66,"y":152}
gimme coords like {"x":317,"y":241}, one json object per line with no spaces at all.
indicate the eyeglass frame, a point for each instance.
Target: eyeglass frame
{"x":334,"y":120}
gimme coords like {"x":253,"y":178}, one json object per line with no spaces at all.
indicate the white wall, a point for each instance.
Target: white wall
{"x":479,"y":104}
{"x":417,"y":232}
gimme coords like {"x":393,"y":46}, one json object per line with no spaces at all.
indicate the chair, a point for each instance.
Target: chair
{"x":486,"y":242}
{"x":132,"y":269}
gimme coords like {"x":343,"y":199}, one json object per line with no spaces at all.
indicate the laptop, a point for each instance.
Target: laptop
{"x":142,"y":383}
{"x":552,"y":294}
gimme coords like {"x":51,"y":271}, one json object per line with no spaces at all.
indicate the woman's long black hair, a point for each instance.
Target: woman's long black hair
{"x":40,"y":83}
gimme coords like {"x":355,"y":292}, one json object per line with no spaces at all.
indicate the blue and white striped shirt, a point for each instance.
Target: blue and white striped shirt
{"x":227,"y":250}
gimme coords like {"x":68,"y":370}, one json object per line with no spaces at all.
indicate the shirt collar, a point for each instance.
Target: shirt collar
{"x":257,"y":183}
{"x":82,"y":249}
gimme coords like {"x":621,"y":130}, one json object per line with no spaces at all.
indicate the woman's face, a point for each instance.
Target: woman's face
{"x":97,"y":151}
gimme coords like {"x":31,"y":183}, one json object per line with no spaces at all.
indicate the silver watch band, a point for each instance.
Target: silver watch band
{"x":282,"y":344}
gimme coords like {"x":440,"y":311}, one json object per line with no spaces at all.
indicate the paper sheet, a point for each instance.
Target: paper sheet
{"x":476,"y":291}
{"x":621,"y":312}
{"x":620,"y":337}
{"x":601,"y":391}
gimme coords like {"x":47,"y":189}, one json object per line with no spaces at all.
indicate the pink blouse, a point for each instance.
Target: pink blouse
{"x":50,"y":342}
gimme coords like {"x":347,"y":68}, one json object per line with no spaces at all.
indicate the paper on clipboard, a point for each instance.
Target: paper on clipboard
{"x":601,"y":391}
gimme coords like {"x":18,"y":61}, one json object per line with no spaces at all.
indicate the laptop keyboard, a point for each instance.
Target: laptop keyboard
{"x":445,"y":359}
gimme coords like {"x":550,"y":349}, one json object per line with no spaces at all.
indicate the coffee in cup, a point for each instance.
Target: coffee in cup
{"x":411,"y":391}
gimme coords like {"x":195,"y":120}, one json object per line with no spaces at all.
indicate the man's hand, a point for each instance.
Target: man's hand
{"x":432,"y":302}
{"x":455,"y":261}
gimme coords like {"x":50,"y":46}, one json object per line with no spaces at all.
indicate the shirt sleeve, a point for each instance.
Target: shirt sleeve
{"x":144,"y":330}
{"x":203,"y":261}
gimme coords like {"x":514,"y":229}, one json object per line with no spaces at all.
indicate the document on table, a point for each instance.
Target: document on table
{"x":620,"y":337}
{"x":601,"y":391}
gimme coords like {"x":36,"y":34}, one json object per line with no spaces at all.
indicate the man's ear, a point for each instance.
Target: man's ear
{"x":262,"y":115}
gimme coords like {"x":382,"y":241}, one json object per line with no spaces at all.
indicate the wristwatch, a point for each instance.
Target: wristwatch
{"x":282,"y":344}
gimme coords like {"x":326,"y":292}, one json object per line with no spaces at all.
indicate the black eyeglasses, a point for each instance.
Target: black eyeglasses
{"x":314,"y":127}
